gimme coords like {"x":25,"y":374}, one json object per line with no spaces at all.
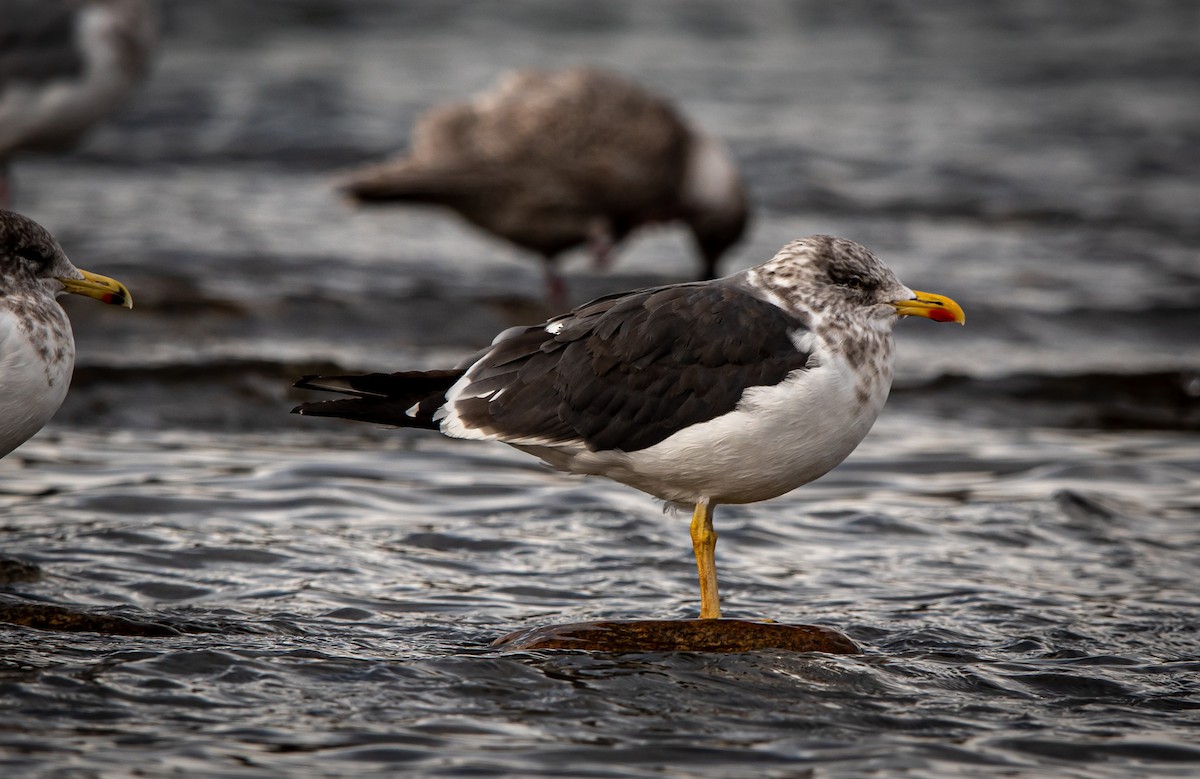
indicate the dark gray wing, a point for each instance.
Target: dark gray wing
{"x":625,"y":372}
{"x":37,"y":41}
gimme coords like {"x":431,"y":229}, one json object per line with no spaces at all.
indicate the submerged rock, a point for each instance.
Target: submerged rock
{"x":59,"y":618}
{"x":681,"y":635}
{"x":13,"y":571}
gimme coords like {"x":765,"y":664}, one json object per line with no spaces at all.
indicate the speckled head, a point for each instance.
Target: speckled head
{"x":830,"y":280}
{"x":849,"y":300}
{"x":30,"y":259}
{"x":29,"y":255}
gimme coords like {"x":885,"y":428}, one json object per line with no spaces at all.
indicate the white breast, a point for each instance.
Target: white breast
{"x":778,"y":438}
{"x":33,"y":381}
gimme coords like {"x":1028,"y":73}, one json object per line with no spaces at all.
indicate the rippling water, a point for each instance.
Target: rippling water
{"x":1024,"y":601}
{"x":1015,"y":546}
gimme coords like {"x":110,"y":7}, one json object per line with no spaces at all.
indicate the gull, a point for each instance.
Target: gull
{"x":37,"y":349}
{"x":64,"y":65}
{"x":553,"y":160}
{"x":734,"y":390}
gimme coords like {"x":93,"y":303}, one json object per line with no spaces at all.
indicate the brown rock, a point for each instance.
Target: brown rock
{"x":58,"y":618}
{"x":14,"y":571}
{"x":686,"y":635}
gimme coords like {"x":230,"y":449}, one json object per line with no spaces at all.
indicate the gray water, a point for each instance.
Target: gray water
{"x":1015,"y":546}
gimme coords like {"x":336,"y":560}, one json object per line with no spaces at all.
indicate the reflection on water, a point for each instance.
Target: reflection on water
{"x":1024,"y":599}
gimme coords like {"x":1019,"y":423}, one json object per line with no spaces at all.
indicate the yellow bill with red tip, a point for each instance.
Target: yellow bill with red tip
{"x":939,"y":308}
{"x":102,"y":288}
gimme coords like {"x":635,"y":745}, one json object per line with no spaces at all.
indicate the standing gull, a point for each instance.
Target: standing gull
{"x":728,"y":391}
{"x":64,"y":65}
{"x":37,"y":350}
{"x":553,"y":160}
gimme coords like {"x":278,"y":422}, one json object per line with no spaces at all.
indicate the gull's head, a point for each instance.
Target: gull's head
{"x":835,"y":279}
{"x":714,"y":200}
{"x":31,"y":260}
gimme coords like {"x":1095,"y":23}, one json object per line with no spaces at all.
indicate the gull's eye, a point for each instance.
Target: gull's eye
{"x":848,"y":280}
{"x":38,"y":259}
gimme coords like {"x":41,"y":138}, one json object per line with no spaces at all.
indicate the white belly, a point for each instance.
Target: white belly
{"x":777,"y":439}
{"x":33,"y":382}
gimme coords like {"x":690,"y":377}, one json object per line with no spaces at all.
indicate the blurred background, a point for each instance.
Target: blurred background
{"x":1015,"y":544}
{"x":1037,"y":164}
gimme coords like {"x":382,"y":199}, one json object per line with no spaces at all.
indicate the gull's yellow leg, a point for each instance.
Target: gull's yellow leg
{"x":704,"y":544}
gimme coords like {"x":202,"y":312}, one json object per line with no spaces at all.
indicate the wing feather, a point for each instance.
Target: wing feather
{"x":628,"y":371}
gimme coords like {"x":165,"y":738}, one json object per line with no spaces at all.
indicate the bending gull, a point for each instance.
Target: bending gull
{"x":553,"y":160}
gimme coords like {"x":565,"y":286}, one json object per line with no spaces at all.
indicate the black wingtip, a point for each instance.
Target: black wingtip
{"x":326,"y":408}
{"x":381,"y":398}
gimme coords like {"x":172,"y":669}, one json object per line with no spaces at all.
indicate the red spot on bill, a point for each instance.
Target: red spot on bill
{"x":941,"y":315}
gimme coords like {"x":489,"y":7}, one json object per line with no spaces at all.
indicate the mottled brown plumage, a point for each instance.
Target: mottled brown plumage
{"x":553,"y":160}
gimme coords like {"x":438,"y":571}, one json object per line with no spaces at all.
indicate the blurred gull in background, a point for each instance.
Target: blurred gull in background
{"x":64,"y":65}
{"x":553,"y":160}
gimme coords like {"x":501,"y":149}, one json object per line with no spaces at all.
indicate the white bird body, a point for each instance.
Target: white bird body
{"x":746,"y":455}
{"x":34,"y":381}
{"x":37,"y":347}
